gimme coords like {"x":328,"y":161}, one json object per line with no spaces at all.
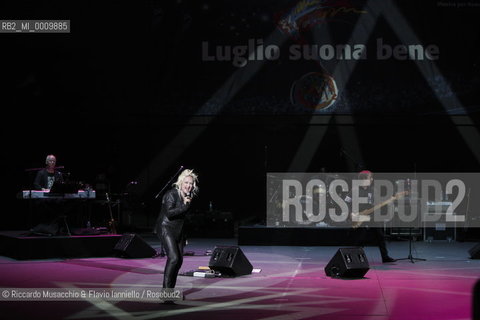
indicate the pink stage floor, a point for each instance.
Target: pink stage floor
{"x":291,"y":285}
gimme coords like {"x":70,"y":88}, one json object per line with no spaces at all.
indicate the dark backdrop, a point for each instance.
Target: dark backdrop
{"x":126,"y":94}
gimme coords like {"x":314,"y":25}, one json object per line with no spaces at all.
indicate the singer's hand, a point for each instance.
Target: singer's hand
{"x":187,"y":198}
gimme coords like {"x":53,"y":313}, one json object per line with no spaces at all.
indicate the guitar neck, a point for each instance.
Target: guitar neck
{"x":376,"y":207}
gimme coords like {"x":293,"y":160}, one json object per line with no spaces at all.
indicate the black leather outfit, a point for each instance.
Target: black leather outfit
{"x":170,"y":224}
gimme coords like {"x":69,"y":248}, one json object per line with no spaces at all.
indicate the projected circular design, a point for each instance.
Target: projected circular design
{"x":315,"y":90}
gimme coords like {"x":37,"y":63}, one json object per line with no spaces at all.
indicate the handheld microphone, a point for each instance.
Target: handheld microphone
{"x":188,"y":198}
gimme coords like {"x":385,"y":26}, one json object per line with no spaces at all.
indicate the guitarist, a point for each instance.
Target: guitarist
{"x":367,"y":191}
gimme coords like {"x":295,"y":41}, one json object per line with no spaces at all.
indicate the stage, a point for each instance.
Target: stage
{"x":298,"y":236}
{"x":22,"y":245}
{"x":291,"y":285}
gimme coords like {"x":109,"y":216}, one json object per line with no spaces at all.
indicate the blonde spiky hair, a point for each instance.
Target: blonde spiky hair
{"x":187,"y":173}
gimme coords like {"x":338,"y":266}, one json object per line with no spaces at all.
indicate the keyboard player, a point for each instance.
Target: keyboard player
{"x":48,"y":175}
{"x":46,"y":213}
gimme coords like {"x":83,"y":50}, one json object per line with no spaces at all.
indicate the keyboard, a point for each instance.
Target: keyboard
{"x":35,"y":194}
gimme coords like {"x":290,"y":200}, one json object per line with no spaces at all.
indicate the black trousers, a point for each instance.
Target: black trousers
{"x":158,"y":231}
{"x":379,"y":236}
{"x":174,"y":250}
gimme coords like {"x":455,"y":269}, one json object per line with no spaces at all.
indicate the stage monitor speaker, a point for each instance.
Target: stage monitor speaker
{"x":475,"y":251}
{"x":133,"y":246}
{"x":348,"y":263}
{"x":51,"y":229}
{"x":230,"y":261}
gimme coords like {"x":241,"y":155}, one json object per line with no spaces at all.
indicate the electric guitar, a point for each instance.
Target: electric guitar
{"x":366,"y":212}
{"x":111,"y":223}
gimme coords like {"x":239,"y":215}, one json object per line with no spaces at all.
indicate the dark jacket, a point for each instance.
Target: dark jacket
{"x":364,"y":193}
{"x":41,"y":179}
{"x":172,"y":214}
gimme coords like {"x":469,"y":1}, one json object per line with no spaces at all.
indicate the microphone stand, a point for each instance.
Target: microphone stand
{"x":168,"y":183}
{"x":410,"y":257}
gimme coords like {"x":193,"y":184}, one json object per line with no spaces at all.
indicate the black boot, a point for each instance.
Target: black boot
{"x":388,"y":259}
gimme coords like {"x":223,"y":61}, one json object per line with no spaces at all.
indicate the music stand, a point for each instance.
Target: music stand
{"x":410,"y":256}
{"x":409,"y":225}
{"x":64,"y":187}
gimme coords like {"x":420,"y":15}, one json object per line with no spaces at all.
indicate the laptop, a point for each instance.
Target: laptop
{"x":60,"y":187}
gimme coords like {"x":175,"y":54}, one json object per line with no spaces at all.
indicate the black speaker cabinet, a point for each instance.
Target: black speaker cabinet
{"x":348,"y":263}
{"x":475,"y":251}
{"x":132,"y":245}
{"x":230,"y":261}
